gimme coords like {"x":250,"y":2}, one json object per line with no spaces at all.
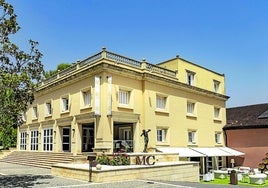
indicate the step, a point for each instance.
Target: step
{"x":39,"y":159}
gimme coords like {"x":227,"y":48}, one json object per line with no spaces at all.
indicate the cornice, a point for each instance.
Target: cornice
{"x":131,"y":72}
{"x":183,"y":86}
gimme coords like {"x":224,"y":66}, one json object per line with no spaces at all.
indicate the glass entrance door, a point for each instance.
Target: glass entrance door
{"x":88,"y":139}
{"x":66,"y":139}
{"x":48,"y":139}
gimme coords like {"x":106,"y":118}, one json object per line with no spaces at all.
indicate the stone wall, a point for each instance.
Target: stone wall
{"x":168,"y":171}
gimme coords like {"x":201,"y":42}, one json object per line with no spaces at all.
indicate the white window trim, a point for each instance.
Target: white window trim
{"x":218,"y":83}
{"x":166,"y":100}
{"x":218,"y":140}
{"x":194,"y":113}
{"x":219,"y":118}
{"x":23,"y":140}
{"x":46,"y":108}
{"x":62,"y":105}
{"x":23,"y":117}
{"x":82,"y":99}
{"x":131,"y":97}
{"x":34,"y":145}
{"x":166,"y":139}
{"x":122,"y":135}
{"x":35,"y":112}
{"x":193,"y":79}
{"x":48,"y":142}
{"x":194,"y":140}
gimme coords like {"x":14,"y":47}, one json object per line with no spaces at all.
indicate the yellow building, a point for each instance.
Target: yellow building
{"x":105,"y":101}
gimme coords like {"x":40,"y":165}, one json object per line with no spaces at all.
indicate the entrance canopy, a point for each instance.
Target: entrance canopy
{"x":211,"y":152}
{"x":182,"y":151}
{"x":201,"y":152}
{"x":232,"y":151}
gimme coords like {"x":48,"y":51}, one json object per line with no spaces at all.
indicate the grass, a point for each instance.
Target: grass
{"x":226,"y":181}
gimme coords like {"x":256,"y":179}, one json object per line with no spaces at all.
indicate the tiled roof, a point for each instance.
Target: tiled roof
{"x":253,"y":116}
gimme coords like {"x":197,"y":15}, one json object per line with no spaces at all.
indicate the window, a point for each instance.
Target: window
{"x":161,"y":135}
{"x":23,"y":138}
{"x":220,"y":162}
{"x":48,"y":109}
{"x":210,"y":163}
{"x":125,"y":133}
{"x":35,"y":112}
{"x":190,"y":78}
{"x":65,"y":104}
{"x":192,"y":137}
{"x":23,"y":116}
{"x":124,"y":97}
{"x":86,"y":95}
{"x":216,"y":85}
{"x":48,"y":140}
{"x":218,"y":138}
{"x":191,"y":108}
{"x":34,"y":140}
{"x":161,"y":102}
{"x":214,"y":162}
{"x":216,"y":112}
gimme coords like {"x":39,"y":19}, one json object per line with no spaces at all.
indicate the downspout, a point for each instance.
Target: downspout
{"x":226,"y":144}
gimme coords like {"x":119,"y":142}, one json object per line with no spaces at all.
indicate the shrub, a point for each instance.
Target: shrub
{"x":115,"y":160}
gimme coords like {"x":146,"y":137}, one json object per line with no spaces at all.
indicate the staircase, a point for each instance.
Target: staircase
{"x":39,"y":159}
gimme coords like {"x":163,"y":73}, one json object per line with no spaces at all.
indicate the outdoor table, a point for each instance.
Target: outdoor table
{"x":220,"y":174}
{"x":257,"y":178}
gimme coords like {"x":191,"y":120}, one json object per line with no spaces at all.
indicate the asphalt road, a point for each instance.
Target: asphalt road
{"x":12,"y":175}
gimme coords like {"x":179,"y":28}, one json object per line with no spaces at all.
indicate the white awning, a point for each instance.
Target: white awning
{"x":233,"y":152}
{"x":201,"y":152}
{"x":211,"y":152}
{"x":182,"y":151}
{"x":218,"y":151}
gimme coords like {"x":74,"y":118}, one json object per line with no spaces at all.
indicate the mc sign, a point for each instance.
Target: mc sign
{"x":145,"y":160}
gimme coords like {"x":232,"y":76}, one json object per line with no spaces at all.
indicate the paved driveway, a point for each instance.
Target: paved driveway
{"x":12,"y":175}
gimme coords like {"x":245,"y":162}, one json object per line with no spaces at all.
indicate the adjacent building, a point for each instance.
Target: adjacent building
{"x":104,"y":102}
{"x":246,"y":131}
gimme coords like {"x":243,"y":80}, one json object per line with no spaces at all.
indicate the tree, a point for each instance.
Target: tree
{"x":20,"y":73}
{"x":60,"y":67}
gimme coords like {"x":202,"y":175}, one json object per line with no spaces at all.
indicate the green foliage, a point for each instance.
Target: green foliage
{"x":8,"y":137}
{"x":115,"y":160}
{"x":60,"y":67}
{"x":103,"y":159}
{"x":226,"y":182}
{"x":20,"y":72}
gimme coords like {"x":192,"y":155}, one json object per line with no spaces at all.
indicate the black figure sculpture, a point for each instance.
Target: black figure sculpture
{"x":146,"y":139}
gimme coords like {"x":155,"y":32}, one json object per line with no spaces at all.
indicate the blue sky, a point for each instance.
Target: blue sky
{"x":227,"y":36}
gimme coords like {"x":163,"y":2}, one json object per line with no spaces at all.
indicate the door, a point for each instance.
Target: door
{"x":127,"y":134}
{"x":48,"y":139}
{"x":125,"y":138}
{"x":88,"y":139}
{"x":66,"y":139}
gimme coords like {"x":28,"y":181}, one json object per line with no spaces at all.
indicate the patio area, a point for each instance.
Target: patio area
{"x":236,"y":176}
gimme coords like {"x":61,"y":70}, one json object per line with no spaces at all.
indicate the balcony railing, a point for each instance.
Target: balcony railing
{"x":123,"y":146}
{"x":122,"y":59}
{"x":116,"y":58}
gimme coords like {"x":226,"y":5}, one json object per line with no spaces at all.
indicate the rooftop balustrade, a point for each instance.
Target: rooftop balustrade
{"x":143,"y":65}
